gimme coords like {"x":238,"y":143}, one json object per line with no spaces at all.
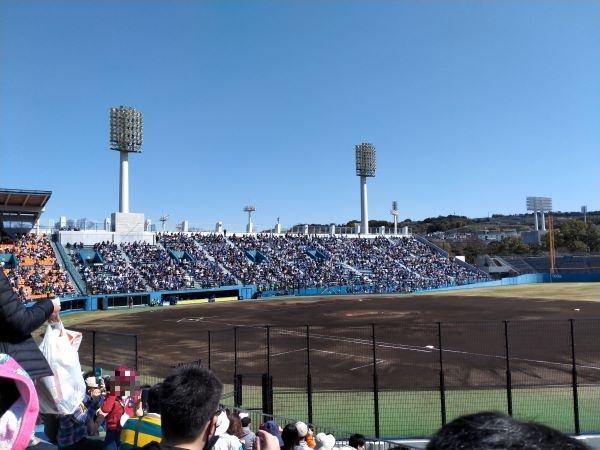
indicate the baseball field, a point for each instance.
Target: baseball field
{"x":412,"y":343}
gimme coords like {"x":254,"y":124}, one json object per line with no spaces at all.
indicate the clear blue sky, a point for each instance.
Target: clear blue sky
{"x":472,"y":105}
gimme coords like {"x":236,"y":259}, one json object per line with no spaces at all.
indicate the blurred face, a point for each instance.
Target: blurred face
{"x":125,"y":384}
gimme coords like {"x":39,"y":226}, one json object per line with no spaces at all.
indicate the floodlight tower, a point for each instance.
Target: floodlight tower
{"x":249,"y":209}
{"x":365,"y":167}
{"x":164,"y":219}
{"x":394,"y":213}
{"x":541,"y":205}
{"x":126,"y":128}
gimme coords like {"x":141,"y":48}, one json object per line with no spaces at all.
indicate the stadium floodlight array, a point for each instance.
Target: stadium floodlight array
{"x":365,"y":160}
{"x":126,"y":131}
{"x":365,"y":167}
{"x":539,"y":205}
{"x":249,"y":209}
{"x":394,"y":213}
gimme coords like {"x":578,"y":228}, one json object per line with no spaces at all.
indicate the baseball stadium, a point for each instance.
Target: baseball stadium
{"x":372,"y":331}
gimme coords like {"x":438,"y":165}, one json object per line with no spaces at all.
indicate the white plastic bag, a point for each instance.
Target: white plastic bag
{"x":63,"y":392}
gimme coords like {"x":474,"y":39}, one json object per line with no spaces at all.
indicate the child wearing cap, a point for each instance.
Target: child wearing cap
{"x":120,"y":404}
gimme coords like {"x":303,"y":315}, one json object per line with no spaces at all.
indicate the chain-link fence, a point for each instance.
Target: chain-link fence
{"x":409,"y":380}
{"x":402,"y":381}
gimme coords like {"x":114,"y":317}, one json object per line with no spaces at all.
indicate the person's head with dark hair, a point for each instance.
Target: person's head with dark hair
{"x":246,"y":421}
{"x":154,"y":398}
{"x":492,"y":431}
{"x":290,"y":436}
{"x":235,"y":425}
{"x":357,"y":441}
{"x":188,"y":401}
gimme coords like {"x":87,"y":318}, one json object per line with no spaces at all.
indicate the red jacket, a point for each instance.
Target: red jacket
{"x":115,"y":407}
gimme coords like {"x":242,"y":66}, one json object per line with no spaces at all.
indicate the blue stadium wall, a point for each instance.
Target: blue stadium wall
{"x":583,"y":277}
{"x":92,"y":302}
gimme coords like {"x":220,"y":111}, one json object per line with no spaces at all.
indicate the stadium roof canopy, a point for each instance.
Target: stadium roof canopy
{"x":20,"y":206}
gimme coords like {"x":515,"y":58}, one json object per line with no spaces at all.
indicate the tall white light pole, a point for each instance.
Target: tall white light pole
{"x":365,"y":167}
{"x":249,"y":209}
{"x":126,"y":129}
{"x":394,"y":213}
{"x":541,"y":205}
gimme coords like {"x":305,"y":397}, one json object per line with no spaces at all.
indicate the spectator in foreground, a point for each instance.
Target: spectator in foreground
{"x":302,"y":430}
{"x":140,"y":431}
{"x":491,"y":430}
{"x":17,"y":322}
{"x":228,"y":439}
{"x":290,"y":437}
{"x":357,"y":441}
{"x":324,"y":441}
{"x":272,"y":427}
{"x":248,"y":435}
{"x":189,"y":399}
{"x":73,"y":429}
{"x":120,"y":404}
{"x":310,"y":436}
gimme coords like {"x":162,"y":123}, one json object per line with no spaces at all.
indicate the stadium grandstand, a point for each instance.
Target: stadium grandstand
{"x":165,"y":266}
{"x":102,"y":268}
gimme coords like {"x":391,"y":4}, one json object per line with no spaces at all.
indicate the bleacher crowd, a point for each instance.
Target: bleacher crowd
{"x":38,"y":273}
{"x":272,"y":262}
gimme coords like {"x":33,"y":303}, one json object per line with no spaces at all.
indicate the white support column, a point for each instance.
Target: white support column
{"x":535,"y":214}
{"x":124,"y":183}
{"x":543,"y":221}
{"x":364,"y":208}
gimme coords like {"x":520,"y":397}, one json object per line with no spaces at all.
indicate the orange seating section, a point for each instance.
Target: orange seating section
{"x":36,"y":257}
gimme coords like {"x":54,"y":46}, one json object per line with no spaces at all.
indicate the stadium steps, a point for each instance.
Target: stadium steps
{"x":361,"y":273}
{"x":129,"y":264}
{"x":211,"y":258}
{"x":519,"y":264}
{"x":230,"y":244}
{"x":65,"y":262}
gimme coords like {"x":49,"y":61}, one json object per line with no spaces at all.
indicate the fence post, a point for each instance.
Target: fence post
{"x":309,"y":391}
{"x":235,"y":351}
{"x":269,"y":351}
{"x":574,"y":376}
{"x":442,"y":387}
{"x":209,"y":352}
{"x":375,"y":382}
{"x":94,"y":351}
{"x":237,"y":390}
{"x":136,"y":352}
{"x":267,"y":394}
{"x":508,"y":373}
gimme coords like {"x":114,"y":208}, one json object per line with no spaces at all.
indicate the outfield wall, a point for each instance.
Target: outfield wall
{"x":104,"y":301}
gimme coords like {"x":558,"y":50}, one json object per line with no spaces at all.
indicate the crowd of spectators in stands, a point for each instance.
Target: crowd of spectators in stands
{"x":114,"y":275}
{"x":272,"y":262}
{"x":204,"y":270}
{"x":37,"y":273}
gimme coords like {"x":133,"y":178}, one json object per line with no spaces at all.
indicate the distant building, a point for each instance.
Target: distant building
{"x":496,"y":235}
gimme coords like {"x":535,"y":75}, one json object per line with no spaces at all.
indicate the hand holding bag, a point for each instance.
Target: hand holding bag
{"x":63,"y":392}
